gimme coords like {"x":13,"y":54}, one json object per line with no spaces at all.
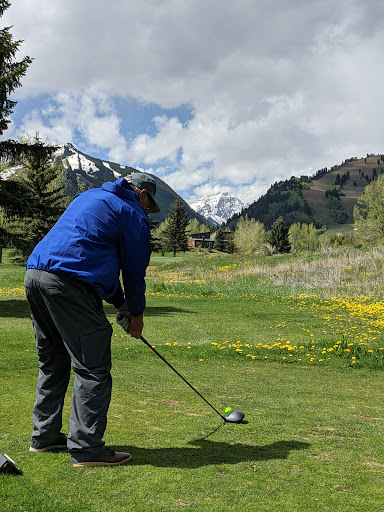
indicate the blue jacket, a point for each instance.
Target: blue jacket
{"x":104,"y":230}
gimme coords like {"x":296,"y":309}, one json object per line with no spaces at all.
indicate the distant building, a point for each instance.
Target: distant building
{"x":205,"y":240}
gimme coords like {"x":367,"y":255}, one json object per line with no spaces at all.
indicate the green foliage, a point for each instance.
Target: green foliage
{"x":194,"y":226}
{"x":303,"y":237}
{"x":45,"y":196}
{"x":278,"y":237}
{"x":11,"y":72}
{"x":175,"y":230}
{"x":368,"y":212}
{"x":249,"y":237}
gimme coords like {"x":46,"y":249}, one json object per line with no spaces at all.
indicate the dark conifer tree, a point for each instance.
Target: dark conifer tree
{"x":220,"y":243}
{"x":45,"y":196}
{"x":175,"y":231}
{"x":11,"y":72}
{"x":279,"y":236}
{"x":156,"y":242}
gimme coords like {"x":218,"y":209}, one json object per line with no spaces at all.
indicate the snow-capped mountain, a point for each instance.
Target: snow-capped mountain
{"x":94,"y":172}
{"x":218,"y":208}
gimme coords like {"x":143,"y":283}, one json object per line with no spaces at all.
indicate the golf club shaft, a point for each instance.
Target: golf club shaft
{"x":179,"y":374}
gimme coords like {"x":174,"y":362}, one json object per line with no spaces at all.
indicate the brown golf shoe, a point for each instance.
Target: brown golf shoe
{"x":107,"y":458}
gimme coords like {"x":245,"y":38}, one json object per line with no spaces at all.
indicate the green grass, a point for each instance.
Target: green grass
{"x":312,"y":439}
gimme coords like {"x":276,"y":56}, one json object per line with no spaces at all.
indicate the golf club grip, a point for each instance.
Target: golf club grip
{"x":179,"y":374}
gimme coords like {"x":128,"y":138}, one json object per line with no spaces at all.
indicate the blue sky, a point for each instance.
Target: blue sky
{"x":209,"y":95}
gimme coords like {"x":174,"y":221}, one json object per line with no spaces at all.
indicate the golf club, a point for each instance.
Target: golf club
{"x":232,"y":417}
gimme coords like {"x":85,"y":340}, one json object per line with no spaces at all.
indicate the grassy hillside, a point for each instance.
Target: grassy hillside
{"x":353,"y":188}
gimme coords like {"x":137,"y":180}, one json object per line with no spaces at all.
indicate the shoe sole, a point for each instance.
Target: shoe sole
{"x":98,"y":464}
{"x":48,"y":448}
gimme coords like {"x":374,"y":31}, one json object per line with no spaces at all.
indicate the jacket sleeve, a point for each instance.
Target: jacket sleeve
{"x":135,"y":252}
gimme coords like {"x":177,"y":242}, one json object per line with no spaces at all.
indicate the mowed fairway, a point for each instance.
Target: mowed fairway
{"x":312,"y":439}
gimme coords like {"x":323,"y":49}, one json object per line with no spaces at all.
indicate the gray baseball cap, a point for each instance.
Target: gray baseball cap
{"x":145,"y":181}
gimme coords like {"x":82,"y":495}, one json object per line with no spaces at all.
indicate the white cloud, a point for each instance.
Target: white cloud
{"x":276,"y":88}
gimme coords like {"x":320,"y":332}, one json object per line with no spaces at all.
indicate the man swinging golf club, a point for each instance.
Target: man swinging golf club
{"x":69,"y":273}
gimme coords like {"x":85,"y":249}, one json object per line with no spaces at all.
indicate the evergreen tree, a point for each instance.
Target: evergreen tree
{"x":12,"y":193}
{"x":156,"y":240}
{"x":279,"y":236}
{"x":43,"y":181}
{"x":175,"y":231}
{"x":10,"y":71}
{"x":220,"y":243}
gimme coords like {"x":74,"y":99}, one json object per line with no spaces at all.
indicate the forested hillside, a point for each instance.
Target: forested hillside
{"x":325,"y":199}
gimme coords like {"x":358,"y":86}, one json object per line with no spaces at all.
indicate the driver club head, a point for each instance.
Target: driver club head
{"x":234,"y":417}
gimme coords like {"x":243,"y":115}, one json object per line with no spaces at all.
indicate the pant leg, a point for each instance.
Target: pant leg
{"x":54,"y":368}
{"x":86,"y":333}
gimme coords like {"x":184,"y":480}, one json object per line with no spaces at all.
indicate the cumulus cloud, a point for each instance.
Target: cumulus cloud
{"x":275,"y":88}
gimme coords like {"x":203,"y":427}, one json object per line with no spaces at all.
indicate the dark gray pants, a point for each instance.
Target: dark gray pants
{"x":71,"y":330}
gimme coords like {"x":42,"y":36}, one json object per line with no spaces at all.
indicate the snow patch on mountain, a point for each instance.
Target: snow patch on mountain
{"x":218,"y":208}
{"x":117,"y":175}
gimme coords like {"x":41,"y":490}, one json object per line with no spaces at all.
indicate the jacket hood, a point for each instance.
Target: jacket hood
{"x":121,"y":188}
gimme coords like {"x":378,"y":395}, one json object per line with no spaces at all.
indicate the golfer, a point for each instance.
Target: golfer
{"x":69,"y":273}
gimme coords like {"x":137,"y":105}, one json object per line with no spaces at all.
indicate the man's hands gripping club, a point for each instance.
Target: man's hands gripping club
{"x":132,"y":325}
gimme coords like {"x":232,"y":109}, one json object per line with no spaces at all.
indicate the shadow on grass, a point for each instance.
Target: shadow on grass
{"x":207,"y":453}
{"x":13,"y":308}
{"x":20,"y":309}
{"x":152,"y":311}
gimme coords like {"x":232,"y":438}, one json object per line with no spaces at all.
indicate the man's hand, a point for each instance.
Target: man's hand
{"x":136,"y":327}
{"x":132,"y":325}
